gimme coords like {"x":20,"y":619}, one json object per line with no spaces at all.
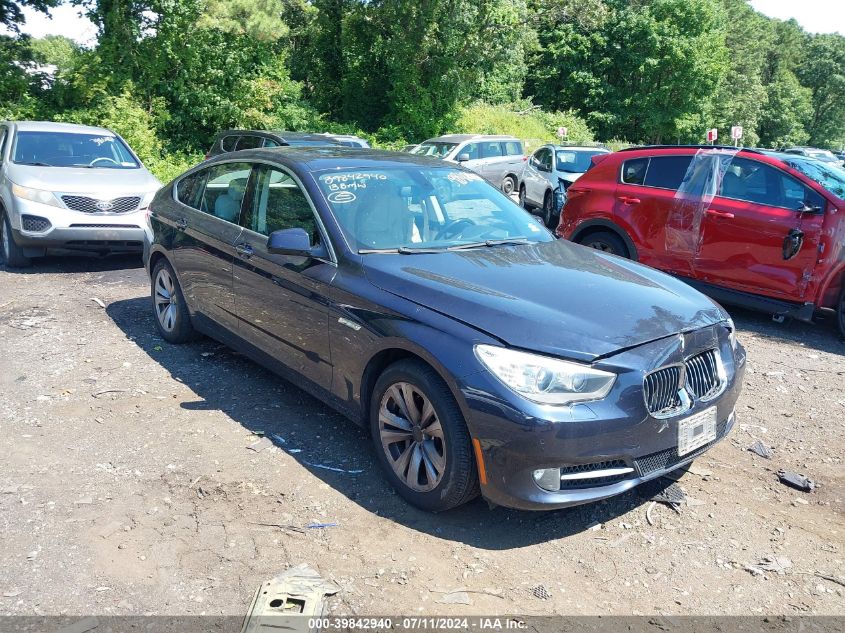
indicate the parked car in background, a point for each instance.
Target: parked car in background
{"x":548,"y":173}
{"x":823,"y":155}
{"x":749,"y":228}
{"x":386,"y":284}
{"x":69,"y":187}
{"x":497,"y":158}
{"x":236,"y":140}
{"x":410,"y":148}
{"x":346,"y":140}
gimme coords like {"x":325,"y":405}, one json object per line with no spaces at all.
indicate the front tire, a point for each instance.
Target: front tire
{"x":421,"y":439}
{"x":523,"y":202}
{"x":606,"y":242}
{"x":840,"y":311}
{"x":548,"y":210}
{"x":170,"y":310}
{"x":10,"y":253}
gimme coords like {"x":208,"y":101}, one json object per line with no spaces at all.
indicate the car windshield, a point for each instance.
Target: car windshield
{"x":72,"y":149}
{"x":434,"y":149}
{"x":823,"y":156}
{"x":575,"y":161}
{"x":828,"y":176}
{"x":410,"y":209}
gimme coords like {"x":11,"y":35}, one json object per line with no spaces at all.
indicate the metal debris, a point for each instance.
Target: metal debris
{"x":99,"y":302}
{"x":540,"y":592}
{"x":281,"y":603}
{"x":260,"y":445}
{"x":794,"y":480}
{"x":333,"y":468}
{"x":758,"y":448}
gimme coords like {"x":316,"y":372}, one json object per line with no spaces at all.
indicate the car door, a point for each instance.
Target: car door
{"x":281,"y":300}
{"x":206,"y":229}
{"x":761,"y":232}
{"x":644,"y":204}
{"x":494,"y":163}
{"x":533,"y":176}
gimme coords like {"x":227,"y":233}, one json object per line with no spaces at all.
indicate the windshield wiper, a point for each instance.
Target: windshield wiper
{"x":36,"y":164}
{"x":510,"y":241}
{"x":402,"y":250}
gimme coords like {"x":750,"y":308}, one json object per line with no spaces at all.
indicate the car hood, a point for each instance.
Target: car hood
{"x":96,"y":182}
{"x":552,"y":297}
{"x":569,"y":176}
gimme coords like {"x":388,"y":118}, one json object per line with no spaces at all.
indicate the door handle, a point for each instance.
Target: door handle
{"x":181,"y":224}
{"x":244,"y":250}
{"x":628,"y":200}
{"x":721,"y":214}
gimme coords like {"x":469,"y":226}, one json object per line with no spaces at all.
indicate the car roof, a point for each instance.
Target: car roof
{"x":50,"y":126}
{"x":578,"y":147}
{"x":331,"y":157}
{"x":460,"y":138}
{"x":282,"y":134}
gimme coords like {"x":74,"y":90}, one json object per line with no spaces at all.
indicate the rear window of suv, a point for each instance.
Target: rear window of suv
{"x":661,"y":172}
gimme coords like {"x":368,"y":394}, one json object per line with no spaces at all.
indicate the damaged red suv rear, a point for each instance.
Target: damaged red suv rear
{"x":758,"y":229}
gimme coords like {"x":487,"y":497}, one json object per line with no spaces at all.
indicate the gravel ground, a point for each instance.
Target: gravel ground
{"x":128,"y":485}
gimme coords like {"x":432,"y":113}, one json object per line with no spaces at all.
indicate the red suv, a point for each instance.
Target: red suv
{"x":759,"y":229}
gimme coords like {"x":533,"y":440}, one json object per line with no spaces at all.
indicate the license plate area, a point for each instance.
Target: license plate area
{"x":696,"y":431}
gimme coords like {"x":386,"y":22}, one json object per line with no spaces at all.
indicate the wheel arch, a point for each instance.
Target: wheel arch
{"x":595,"y":226}
{"x":394,"y":353}
{"x":828,"y":293}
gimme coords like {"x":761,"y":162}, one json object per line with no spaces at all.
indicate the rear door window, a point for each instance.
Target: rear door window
{"x":667,"y":172}
{"x":758,"y":183}
{"x":492,"y":149}
{"x":633,"y":171}
{"x":268,"y":142}
{"x":228,"y":143}
{"x":189,"y":189}
{"x":249,"y":142}
{"x":224,"y":190}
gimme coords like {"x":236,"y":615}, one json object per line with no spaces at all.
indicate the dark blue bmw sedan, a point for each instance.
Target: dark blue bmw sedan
{"x":414,"y":297}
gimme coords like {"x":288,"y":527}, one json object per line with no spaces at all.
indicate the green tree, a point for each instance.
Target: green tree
{"x":11,"y":11}
{"x":823,"y":72}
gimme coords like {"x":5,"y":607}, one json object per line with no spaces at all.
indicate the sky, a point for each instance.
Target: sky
{"x":816,"y":16}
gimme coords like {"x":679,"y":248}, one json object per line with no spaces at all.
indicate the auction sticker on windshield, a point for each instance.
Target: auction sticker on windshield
{"x":696,"y":431}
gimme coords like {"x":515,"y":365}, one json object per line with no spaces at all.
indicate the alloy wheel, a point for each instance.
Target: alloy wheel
{"x":412,"y":437}
{"x":166,"y":305}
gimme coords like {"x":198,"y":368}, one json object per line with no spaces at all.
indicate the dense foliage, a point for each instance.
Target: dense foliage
{"x":168,"y":74}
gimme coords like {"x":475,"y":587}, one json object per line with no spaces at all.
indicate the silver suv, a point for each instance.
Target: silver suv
{"x":547,"y":175}
{"x":69,"y":187}
{"x":497,"y":158}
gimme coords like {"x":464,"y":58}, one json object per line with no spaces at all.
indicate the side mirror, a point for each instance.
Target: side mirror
{"x":290,"y":242}
{"x":463,"y":157}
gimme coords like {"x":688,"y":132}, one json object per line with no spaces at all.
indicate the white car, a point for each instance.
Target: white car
{"x":550,"y":169}
{"x":69,"y":187}
{"x":497,"y":158}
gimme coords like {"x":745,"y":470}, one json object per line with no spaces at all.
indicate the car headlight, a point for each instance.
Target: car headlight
{"x":36,"y":195}
{"x":147,"y":199}
{"x":543,"y":379}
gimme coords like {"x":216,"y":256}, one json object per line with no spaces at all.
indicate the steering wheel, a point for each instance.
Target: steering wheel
{"x":97,"y":160}
{"x":453,"y":228}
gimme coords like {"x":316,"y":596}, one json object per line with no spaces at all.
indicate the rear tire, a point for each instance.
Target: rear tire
{"x":508,"y":185}
{"x":606,"y":242}
{"x":421,"y":439}
{"x":10,"y":253}
{"x":169,"y":308}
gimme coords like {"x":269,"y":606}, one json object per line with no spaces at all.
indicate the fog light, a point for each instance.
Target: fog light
{"x":548,"y":479}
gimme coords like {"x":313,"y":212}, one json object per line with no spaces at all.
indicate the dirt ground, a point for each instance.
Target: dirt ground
{"x":128,"y":486}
